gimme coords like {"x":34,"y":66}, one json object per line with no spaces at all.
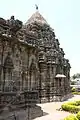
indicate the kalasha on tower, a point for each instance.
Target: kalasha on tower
{"x":32,"y":60}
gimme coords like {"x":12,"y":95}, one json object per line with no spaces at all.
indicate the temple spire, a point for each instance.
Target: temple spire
{"x":36,"y":7}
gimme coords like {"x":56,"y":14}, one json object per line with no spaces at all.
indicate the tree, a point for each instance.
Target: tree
{"x":74,"y":77}
{"x":77,"y":75}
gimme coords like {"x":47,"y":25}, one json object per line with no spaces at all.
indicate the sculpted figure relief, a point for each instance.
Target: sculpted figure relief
{"x":10,"y":26}
{"x":14,"y":25}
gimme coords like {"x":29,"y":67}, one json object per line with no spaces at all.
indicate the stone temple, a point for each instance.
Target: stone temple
{"x":31,"y":60}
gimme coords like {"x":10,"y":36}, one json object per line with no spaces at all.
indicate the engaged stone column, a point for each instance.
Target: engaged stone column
{"x":62,"y":86}
{"x":54,"y":96}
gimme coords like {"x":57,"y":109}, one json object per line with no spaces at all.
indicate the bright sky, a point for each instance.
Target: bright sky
{"x":62,"y":15}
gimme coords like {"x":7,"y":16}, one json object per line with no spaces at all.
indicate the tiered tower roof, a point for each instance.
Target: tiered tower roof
{"x":36,"y":17}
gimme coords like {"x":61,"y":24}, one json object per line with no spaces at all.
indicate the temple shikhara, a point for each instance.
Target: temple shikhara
{"x":31,"y":61}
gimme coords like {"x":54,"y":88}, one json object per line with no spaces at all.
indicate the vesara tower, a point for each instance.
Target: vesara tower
{"x":32,"y":60}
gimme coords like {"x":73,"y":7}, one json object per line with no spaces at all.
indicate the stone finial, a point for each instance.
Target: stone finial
{"x":36,"y":7}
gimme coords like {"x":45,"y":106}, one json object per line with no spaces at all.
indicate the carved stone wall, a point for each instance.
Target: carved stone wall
{"x":18,"y":66}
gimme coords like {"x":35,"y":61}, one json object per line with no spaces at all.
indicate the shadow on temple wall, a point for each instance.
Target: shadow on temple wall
{"x":21,"y":114}
{"x":44,"y":113}
{"x":67,"y":97}
{"x":15,"y":107}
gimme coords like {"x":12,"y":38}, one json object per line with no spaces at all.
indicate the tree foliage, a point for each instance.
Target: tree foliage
{"x":77,"y":75}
